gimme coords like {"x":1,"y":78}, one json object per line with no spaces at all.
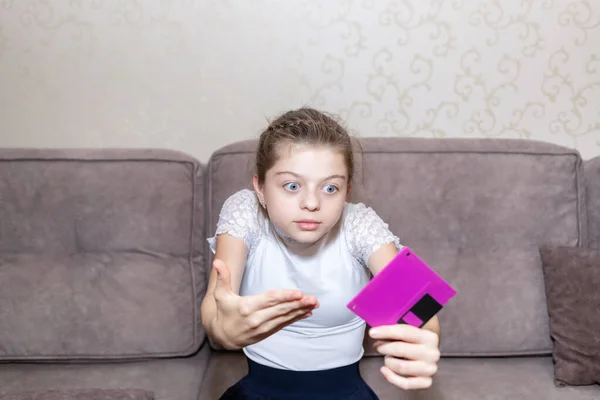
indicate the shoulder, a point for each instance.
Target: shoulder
{"x":244,"y":197}
{"x":239,"y":217}
{"x":357,"y":212}
{"x":241,"y":208}
{"x":358,"y":218}
{"x":365,"y":231}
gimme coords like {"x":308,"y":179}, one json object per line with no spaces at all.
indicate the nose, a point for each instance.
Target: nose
{"x":310,"y":202}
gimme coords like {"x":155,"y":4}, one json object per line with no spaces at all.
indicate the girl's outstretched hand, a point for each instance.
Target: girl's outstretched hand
{"x":411,"y":355}
{"x":245,"y":320}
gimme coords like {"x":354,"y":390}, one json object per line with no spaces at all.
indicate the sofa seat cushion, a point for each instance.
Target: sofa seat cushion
{"x":458,"y":378}
{"x":512,"y":378}
{"x":169,"y":379}
{"x":80,"y":394}
{"x":95,"y":306}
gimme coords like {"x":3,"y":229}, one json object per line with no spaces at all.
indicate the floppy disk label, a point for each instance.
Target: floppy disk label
{"x":423,"y":310}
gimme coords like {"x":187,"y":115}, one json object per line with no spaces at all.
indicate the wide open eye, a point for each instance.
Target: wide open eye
{"x":291,"y":186}
{"x":331,"y":189}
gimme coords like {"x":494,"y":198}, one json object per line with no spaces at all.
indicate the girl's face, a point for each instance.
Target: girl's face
{"x":305,"y":191}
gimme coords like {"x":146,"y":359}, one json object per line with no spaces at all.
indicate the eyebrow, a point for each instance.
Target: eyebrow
{"x":299,"y":176}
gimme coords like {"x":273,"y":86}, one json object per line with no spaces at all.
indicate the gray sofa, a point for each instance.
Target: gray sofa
{"x":104,"y":262}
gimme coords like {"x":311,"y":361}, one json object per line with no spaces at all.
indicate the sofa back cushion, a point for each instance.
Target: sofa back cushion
{"x":592,"y":185}
{"x":100,"y":253}
{"x":476,"y":210}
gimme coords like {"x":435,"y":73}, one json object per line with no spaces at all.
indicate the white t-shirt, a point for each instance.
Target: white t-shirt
{"x":334,"y":270}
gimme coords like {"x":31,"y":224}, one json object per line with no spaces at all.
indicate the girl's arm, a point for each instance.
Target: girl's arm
{"x":411,"y":357}
{"x":411,"y":354}
{"x":372,"y":242}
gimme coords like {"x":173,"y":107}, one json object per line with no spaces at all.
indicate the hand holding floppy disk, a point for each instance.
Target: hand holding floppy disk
{"x":406,"y":291}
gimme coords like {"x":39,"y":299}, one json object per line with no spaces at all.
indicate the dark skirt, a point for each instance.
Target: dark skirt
{"x":266,"y":383}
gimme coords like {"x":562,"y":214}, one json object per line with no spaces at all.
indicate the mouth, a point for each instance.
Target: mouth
{"x":308,"y":224}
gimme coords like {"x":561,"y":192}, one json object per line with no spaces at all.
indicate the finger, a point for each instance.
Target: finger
{"x":410,"y":368}
{"x":410,"y":383}
{"x":273,"y":298}
{"x":291,"y":317}
{"x":378,"y":344}
{"x":409,"y":351}
{"x":277,"y":318}
{"x":405,"y":333}
{"x":275,"y":324}
{"x":281,"y":310}
{"x":254,"y":303}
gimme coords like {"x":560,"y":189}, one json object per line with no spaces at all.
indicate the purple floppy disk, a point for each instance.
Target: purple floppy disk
{"x":406,"y":291}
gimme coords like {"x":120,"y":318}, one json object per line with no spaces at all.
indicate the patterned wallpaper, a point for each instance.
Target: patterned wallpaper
{"x":195,"y":75}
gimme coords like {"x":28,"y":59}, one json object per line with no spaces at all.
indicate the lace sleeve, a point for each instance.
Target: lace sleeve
{"x":366,"y":232}
{"x":238,"y":218}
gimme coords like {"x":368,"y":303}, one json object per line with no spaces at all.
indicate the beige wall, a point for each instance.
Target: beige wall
{"x":194,"y":75}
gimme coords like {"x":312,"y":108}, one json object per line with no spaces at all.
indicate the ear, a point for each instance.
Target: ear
{"x":349,"y":189}
{"x":258,"y":188}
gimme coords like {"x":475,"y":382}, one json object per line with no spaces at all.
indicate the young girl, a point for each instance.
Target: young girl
{"x":288,"y":258}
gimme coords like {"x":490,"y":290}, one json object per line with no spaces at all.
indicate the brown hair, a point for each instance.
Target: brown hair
{"x":302,"y":126}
